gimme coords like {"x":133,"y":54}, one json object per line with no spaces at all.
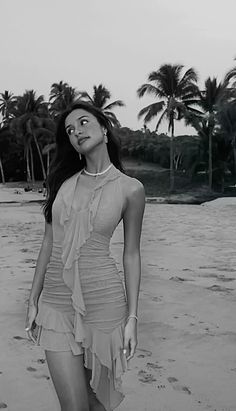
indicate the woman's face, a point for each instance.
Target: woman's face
{"x":84,"y":130}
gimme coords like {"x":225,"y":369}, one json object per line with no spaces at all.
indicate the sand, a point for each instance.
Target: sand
{"x":186,"y":356}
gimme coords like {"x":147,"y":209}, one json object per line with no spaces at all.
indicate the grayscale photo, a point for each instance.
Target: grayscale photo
{"x":118,"y":205}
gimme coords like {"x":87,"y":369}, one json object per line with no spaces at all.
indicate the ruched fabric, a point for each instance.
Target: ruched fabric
{"x":83,"y":299}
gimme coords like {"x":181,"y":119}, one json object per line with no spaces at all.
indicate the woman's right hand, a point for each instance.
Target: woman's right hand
{"x":30,"y":321}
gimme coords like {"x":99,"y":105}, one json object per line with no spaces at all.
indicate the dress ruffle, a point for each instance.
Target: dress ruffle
{"x":104,"y":356}
{"x":78,"y":226}
{"x":103,"y":352}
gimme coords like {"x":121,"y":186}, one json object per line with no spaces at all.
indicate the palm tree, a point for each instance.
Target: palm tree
{"x":226,"y":117}
{"x":47,"y":150}
{"x":100,"y":98}
{"x":175,"y":92}
{"x":31,"y":120}
{"x":7,"y":106}
{"x":4,"y":147}
{"x":61,"y":97}
{"x":209,"y":100}
{"x":57,"y":90}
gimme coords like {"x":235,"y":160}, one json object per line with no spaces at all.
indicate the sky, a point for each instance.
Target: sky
{"x":116,"y":43}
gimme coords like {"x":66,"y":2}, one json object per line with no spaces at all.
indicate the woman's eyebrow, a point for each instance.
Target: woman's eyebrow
{"x":79,"y":118}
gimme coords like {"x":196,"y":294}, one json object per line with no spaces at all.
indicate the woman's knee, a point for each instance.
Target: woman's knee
{"x":68,"y":377}
{"x":74,"y":405}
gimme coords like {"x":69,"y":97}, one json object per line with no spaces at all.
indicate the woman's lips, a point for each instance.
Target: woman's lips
{"x":82,"y":140}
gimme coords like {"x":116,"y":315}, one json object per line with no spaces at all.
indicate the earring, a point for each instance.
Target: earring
{"x":80,"y":156}
{"x":105,"y":136}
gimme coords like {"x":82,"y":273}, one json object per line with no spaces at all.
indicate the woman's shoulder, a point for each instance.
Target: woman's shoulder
{"x":131,"y":186}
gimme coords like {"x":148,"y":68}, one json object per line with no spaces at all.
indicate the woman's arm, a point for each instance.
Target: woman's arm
{"x":37,"y":285}
{"x":132,"y":219}
{"x":42,"y":261}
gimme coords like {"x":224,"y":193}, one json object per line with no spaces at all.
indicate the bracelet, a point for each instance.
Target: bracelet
{"x":132,"y":316}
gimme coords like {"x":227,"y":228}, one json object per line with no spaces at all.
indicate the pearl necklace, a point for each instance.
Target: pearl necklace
{"x":98,"y":174}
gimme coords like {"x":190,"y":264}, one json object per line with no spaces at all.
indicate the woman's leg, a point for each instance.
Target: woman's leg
{"x":94,"y":404}
{"x":69,"y":379}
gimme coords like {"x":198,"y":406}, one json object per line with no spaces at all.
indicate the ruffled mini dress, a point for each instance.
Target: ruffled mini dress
{"x":83,"y":305}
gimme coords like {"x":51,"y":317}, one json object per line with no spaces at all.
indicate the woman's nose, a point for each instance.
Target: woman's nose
{"x":77,"y":132}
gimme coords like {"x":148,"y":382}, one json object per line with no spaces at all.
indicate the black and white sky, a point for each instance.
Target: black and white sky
{"x":113,"y":42}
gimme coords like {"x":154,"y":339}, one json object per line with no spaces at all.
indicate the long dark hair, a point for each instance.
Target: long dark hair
{"x":66,"y":161}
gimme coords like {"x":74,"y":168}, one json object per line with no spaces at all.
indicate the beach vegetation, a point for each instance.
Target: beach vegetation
{"x":31,"y":121}
{"x":174,"y":91}
{"x":172,"y":162}
{"x":100,"y":98}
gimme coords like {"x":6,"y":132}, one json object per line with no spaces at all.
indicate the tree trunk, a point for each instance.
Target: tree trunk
{"x":40,"y":157}
{"x":32,"y":163}
{"x":28,"y":178}
{"x":48,"y":161}
{"x":2,"y":172}
{"x":172,"y":177}
{"x":234,"y":151}
{"x":210,"y":161}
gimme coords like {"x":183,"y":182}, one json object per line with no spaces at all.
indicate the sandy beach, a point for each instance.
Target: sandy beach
{"x":186,"y":356}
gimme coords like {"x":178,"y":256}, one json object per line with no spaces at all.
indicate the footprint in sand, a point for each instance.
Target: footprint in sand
{"x":178,"y":279}
{"x":31,"y":369}
{"x":18,"y":337}
{"x":41,"y":361}
{"x":144,"y":353}
{"x":225,"y":279}
{"x":173,"y":381}
{"x":219,"y":288}
{"x":156,"y":299}
{"x":29,"y":260}
{"x":154,"y":366}
{"x":42,"y":376}
{"x":144,"y":376}
{"x":3,"y":405}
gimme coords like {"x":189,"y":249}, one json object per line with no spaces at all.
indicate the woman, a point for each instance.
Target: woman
{"x":87,"y":319}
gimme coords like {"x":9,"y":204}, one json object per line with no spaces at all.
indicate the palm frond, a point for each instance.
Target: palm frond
{"x":83,"y":95}
{"x":100,"y":95}
{"x":231,"y":75}
{"x":189,"y":78}
{"x":113,"y":119}
{"x":161,"y":119}
{"x":149,"y":89}
{"x":151,"y":111}
{"x":117,"y":103}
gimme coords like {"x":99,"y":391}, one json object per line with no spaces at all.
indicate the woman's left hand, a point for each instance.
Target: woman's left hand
{"x":130,"y":338}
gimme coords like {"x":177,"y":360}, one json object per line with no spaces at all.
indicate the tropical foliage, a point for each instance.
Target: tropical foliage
{"x":175,"y":93}
{"x":7,"y":106}
{"x":28,"y":123}
{"x":100,"y":98}
{"x":61,"y":97}
{"x":209,"y":100}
